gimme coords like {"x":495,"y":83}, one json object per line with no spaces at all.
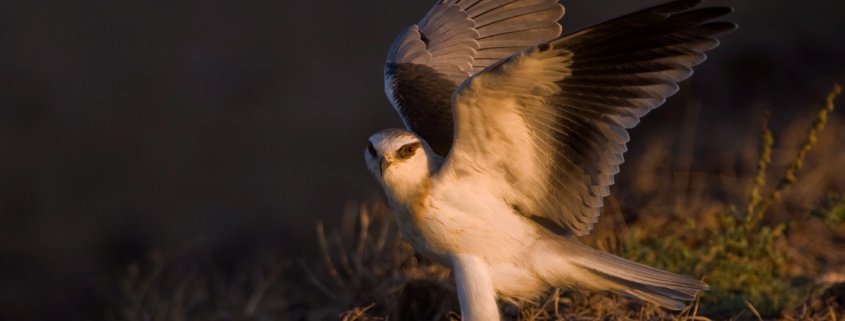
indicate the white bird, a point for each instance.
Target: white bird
{"x":533,"y":127}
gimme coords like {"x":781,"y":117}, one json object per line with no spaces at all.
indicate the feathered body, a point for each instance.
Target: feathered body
{"x":466,"y":224}
{"x":539,"y":133}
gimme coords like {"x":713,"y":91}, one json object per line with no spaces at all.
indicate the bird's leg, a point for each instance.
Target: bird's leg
{"x":475,"y":289}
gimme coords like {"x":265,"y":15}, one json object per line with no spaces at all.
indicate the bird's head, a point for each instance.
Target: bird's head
{"x":400,"y":160}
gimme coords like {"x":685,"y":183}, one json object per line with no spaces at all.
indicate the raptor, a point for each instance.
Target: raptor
{"x":514,"y":134}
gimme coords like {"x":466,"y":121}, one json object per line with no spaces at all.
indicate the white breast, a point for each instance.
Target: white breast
{"x":466,"y":217}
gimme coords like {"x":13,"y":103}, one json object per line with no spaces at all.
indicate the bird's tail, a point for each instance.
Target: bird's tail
{"x":585,"y":267}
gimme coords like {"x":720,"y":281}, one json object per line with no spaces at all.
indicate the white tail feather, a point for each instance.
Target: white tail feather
{"x":580,"y":266}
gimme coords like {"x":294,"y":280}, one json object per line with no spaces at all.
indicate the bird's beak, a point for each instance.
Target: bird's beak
{"x":385,"y":163}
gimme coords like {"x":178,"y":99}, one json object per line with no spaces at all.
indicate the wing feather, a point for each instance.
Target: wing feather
{"x":483,"y":7}
{"x":520,"y":10}
{"x":548,"y":125}
{"x":515,"y":25}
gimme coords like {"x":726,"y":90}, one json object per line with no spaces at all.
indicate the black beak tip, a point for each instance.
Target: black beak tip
{"x":384,"y":165}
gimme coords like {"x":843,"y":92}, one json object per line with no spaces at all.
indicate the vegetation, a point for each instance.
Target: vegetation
{"x":743,"y":260}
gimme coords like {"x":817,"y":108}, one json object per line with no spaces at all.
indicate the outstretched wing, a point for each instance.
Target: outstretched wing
{"x":456,"y":39}
{"x":549,"y":125}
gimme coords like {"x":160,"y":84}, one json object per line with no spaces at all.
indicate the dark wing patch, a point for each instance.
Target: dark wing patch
{"x":423,"y":86}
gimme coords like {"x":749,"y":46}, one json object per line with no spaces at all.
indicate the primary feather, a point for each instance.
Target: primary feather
{"x":551,"y":122}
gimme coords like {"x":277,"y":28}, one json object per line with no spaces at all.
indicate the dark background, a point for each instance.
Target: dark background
{"x":234,"y":126}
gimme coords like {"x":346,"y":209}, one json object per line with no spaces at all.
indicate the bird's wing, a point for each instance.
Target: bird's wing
{"x":547,"y":127}
{"x":456,"y":39}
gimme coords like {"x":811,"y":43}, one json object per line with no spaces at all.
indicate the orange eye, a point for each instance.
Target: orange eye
{"x":408,"y":150}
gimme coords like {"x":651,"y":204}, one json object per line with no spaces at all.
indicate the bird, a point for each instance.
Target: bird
{"x":513,"y":134}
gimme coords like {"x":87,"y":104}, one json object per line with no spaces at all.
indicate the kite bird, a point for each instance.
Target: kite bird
{"x":515,"y":133}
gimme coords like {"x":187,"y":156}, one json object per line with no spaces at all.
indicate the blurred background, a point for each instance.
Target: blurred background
{"x":229,"y":128}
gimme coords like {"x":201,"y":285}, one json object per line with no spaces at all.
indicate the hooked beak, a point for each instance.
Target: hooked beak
{"x":385,"y":163}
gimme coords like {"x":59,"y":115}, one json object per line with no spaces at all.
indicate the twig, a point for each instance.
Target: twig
{"x":327,"y":258}
{"x":811,"y":140}
{"x":754,"y":310}
{"x":762,"y":164}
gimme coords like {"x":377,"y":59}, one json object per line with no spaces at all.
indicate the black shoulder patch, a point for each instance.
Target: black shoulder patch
{"x":544,"y":47}
{"x":424,"y":99}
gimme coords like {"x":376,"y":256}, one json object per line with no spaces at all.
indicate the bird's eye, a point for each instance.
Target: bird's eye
{"x":371,"y":149}
{"x":408,"y":150}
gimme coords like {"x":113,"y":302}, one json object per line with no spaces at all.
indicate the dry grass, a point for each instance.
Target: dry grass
{"x":764,"y":226}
